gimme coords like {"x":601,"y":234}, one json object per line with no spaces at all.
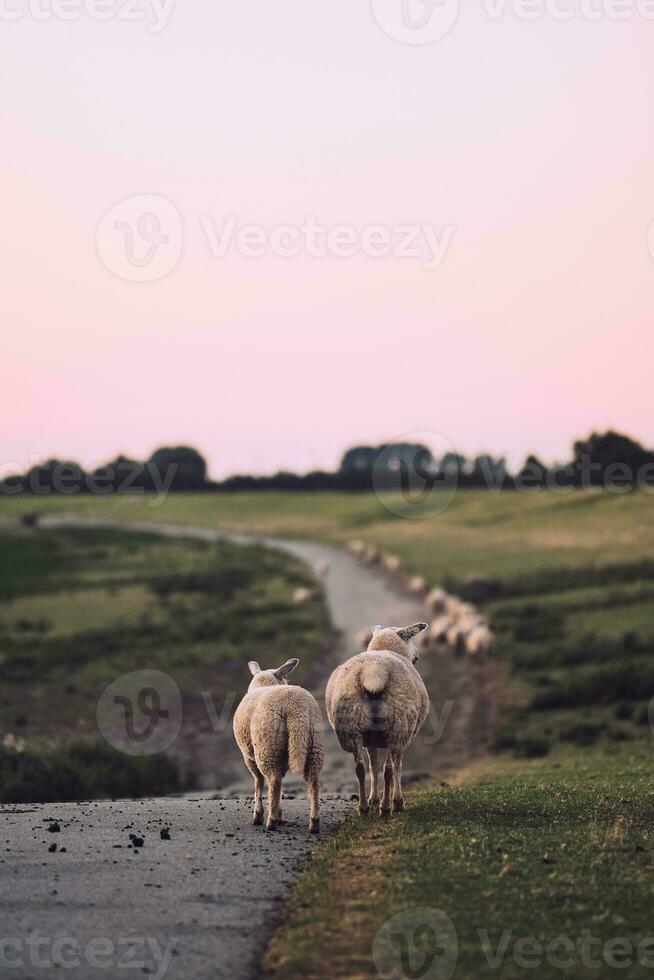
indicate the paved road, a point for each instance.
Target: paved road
{"x":196,"y":907}
{"x":211,"y":894}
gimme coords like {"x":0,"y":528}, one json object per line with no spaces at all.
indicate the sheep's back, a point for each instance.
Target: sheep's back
{"x":390,"y":717}
{"x":265,"y":717}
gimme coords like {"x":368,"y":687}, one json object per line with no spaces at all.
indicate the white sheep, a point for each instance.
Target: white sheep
{"x":371,"y":555}
{"x":322,"y":569}
{"x":417,"y":585}
{"x":301,"y":595}
{"x":436,"y":601}
{"x":377,"y":700}
{"x":437,"y":634}
{"x":356,"y":548}
{"x":391,"y":563}
{"x":456,"y":638}
{"x":279,"y":727}
{"x":480,"y":641}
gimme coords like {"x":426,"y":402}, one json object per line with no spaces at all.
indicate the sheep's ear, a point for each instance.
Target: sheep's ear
{"x":254,"y":667}
{"x":376,"y":630}
{"x":286,"y":668}
{"x":410,"y":631}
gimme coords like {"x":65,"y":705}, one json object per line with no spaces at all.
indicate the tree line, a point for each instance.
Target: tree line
{"x":608,"y":459}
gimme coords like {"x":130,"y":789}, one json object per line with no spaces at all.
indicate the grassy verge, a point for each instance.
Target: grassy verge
{"x":81,"y":608}
{"x":556,"y":852}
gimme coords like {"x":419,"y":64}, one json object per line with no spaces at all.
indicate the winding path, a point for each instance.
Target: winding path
{"x":202,"y":904}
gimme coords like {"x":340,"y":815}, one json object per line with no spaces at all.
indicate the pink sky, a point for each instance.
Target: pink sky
{"x":534,"y":141}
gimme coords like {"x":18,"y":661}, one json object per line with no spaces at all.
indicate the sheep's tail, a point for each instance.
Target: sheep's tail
{"x":302,"y":747}
{"x":374,"y":678}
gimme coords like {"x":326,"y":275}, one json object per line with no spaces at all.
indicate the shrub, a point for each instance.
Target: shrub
{"x":532,"y":748}
{"x":82,"y":770}
{"x":583,"y":733}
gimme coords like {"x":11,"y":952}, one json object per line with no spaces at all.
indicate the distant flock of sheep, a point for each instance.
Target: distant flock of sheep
{"x":376,"y":701}
{"x":459,"y":627}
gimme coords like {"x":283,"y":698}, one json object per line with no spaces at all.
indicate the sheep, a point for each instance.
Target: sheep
{"x":456,"y":635}
{"x":480,"y":641}
{"x":377,"y":700}
{"x":436,"y":601}
{"x":452,"y":605}
{"x":437,"y":633}
{"x":322,"y":569}
{"x":278,"y":727}
{"x":301,"y":595}
{"x":417,"y":585}
{"x":371,"y":555}
{"x":391,"y":563}
{"x":356,"y":548}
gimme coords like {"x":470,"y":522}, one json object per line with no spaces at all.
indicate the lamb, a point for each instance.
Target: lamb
{"x":279,"y":727}
{"x":377,"y":700}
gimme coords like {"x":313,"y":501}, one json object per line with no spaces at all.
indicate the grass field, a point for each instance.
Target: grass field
{"x":552,"y":836}
{"x":545,"y":868}
{"x":78,"y":609}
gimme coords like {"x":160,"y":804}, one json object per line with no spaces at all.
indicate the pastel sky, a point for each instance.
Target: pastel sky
{"x":532,"y":141}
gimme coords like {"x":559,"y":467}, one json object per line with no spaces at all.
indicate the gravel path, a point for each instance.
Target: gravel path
{"x":212,"y":893}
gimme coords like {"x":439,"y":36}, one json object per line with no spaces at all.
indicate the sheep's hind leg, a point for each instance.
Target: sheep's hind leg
{"x":398,"y":799}
{"x":360,"y":770}
{"x":257,"y":816}
{"x":385,"y":805}
{"x":313,"y":792}
{"x":274,"y":805}
{"x":373,"y":759}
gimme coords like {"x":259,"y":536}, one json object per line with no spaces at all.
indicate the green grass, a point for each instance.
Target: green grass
{"x":88,"y":606}
{"x":523,"y":850}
